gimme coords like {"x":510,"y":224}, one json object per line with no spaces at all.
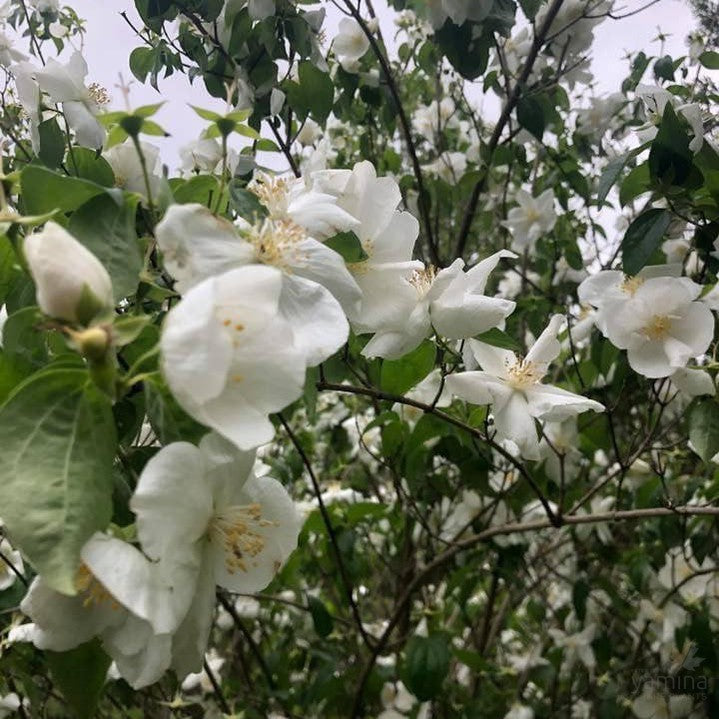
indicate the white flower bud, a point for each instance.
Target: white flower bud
{"x":71,"y":282}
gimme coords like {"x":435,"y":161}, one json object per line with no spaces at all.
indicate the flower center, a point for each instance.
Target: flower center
{"x":92,"y":590}
{"x":658,"y":327}
{"x":522,"y":374}
{"x":239,"y":531}
{"x":272,"y":192}
{"x":631,"y":284}
{"x":422,"y":280}
{"x":275,"y":243}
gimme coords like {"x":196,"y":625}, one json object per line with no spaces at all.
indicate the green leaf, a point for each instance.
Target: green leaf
{"x":52,"y":143}
{"x":44,"y":190}
{"x":498,"y":338}
{"x":425,"y":665}
{"x":704,"y":428}
{"x":643,"y":237}
{"x":88,"y":165}
{"x":80,"y":674}
{"x":634,"y":184}
{"x":609,"y":176}
{"x":56,"y":470}
{"x":467,"y":50}
{"x":530,"y":7}
{"x":317,"y":90}
{"x":142,"y":62}
{"x":670,"y":159}
{"x":245,"y":203}
{"x":169,"y":421}
{"x":530,"y":115}
{"x":348,"y":245}
{"x":201,"y":188}
{"x":398,"y":376}
{"x":321,"y":618}
{"x":710,"y":59}
{"x":664,"y":68}
{"x":108,"y":231}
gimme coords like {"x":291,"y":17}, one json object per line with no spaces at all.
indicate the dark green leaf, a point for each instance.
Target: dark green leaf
{"x":320,"y":617}
{"x":348,"y":245}
{"x":52,"y":143}
{"x":425,"y":665}
{"x":610,"y":175}
{"x":80,"y":674}
{"x":643,"y":237}
{"x":670,"y":159}
{"x":530,"y":115}
{"x":498,"y":338}
{"x":710,"y":59}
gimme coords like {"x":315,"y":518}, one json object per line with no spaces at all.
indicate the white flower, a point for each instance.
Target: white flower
{"x":205,"y":155}
{"x":71,"y":283}
{"x":277,"y":101}
{"x":533,"y":218}
{"x":561,"y":454}
{"x":430,"y":119}
{"x":577,"y":647}
{"x":66,"y":84}
{"x":596,"y":119}
{"x":513,"y":387}
{"x":8,"y":574}
{"x":387,"y":236}
{"x":28,"y":94}
{"x":230,"y":358}
{"x":449,"y":166}
{"x":126,"y":166}
{"x":652,"y":703}
{"x":58,"y":30}
{"x":310,"y":133}
{"x":661,"y":325}
{"x":122,"y":598}
{"x":204,"y":509}
{"x":458,"y":11}
{"x":8,"y":54}
{"x":291,"y":198}
{"x":9,"y":704}
{"x":451,"y":300}
{"x":682,"y":572}
{"x":350,"y":44}
{"x":315,"y":281}
{"x":519,"y":711}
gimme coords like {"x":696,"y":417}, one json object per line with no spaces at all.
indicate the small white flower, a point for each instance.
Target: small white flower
{"x":125,"y":163}
{"x":513,"y":387}
{"x":66,"y":84}
{"x":8,"y":574}
{"x":350,"y":44}
{"x":533,"y":218}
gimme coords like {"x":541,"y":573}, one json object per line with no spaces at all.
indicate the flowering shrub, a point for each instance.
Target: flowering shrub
{"x":376,"y":406}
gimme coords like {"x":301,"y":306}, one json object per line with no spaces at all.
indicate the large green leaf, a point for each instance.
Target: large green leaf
{"x":704,"y":428}
{"x":670,"y":159}
{"x":44,"y":191}
{"x":56,"y":469}
{"x":80,"y":674}
{"x":400,"y":375}
{"x":426,"y":664}
{"x":108,"y":231}
{"x":643,"y":237}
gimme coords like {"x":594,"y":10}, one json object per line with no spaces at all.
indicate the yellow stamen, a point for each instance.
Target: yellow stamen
{"x":658,"y":327}
{"x":238,"y":531}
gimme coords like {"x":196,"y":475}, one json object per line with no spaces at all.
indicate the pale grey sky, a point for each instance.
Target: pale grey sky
{"x":110,"y":40}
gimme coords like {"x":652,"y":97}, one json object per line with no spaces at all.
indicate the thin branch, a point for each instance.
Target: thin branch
{"x":330,"y":531}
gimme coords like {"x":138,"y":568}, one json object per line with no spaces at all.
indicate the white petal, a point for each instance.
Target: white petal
{"x":514,"y":421}
{"x":479,"y":388}
{"x":693,"y":382}
{"x":88,"y":131}
{"x":494,"y":360}
{"x":172,"y":501}
{"x":319,"y":325}
{"x":547,"y":348}
{"x":556,"y":404}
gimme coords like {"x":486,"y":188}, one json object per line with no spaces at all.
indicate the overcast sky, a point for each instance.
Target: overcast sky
{"x":110,"y":40}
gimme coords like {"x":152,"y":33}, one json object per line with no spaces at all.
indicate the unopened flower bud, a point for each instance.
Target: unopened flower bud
{"x":93,"y":342}
{"x":71,"y":282}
